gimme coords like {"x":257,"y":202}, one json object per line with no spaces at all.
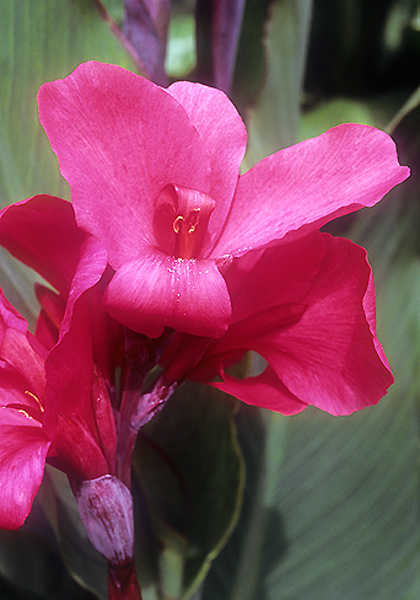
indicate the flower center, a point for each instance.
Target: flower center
{"x":181,"y":219}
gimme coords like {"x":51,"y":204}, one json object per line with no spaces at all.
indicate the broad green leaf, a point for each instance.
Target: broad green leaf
{"x":251,"y":58}
{"x":188,"y":473}
{"x":333,"y":512}
{"x":273,"y":122}
{"x":30,"y":560}
{"x":180,"y":54}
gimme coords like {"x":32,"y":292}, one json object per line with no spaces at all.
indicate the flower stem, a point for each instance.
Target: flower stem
{"x":122,"y":582}
{"x":141,"y":354}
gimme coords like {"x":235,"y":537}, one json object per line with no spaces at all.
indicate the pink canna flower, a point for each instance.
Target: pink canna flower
{"x":154,"y":176}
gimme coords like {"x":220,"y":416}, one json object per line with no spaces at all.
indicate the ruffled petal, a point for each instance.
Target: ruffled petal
{"x":120,"y":139}
{"x":323,"y":346}
{"x":331,"y":358}
{"x":301,"y":188}
{"x":42,"y":233}
{"x":23,"y":450}
{"x":224,"y":135}
{"x":265,"y":390}
{"x":159,"y":291}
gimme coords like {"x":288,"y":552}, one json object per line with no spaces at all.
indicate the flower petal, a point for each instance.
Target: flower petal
{"x":69,"y":364}
{"x":159,"y":291}
{"x":331,"y":358}
{"x":17,"y":353}
{"x":23,"y":450}
{"x":224,"y":135}
{"x":268,"y":293}
{"x":42,"y":233}
{"x":264,"y":279}
{"x":265,"y":390}
{"x":322,"y":347}
{"x":301,"y":188}
{"x":120,"y":139}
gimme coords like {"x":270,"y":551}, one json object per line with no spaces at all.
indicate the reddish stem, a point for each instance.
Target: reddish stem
{"x":122,"y":582}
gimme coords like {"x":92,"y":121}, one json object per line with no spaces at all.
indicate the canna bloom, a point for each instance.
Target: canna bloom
{"x":154,"y":177}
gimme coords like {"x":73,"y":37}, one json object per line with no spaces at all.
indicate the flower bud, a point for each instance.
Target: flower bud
{"x":106,"y":509}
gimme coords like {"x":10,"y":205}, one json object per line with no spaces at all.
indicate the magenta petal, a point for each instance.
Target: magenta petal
{"x":301,"y":188}
{"x":159,"y":291}
{"x":224,"y":135}
{"x":265,"y":390}
{"x":69,"y":364}
{"x":42,"y":233}
{"x":91,"y":266}
{"x":17,"y":353}
{"x":120,"y":139}
{"x":331,"y":357}
{"x":273,"y":277}
{"x":23,"y":451}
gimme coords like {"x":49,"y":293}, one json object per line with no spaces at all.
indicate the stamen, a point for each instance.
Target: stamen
{"x":177,"y":223}
{"x":41,"y":408}
{"x":181,"y":219}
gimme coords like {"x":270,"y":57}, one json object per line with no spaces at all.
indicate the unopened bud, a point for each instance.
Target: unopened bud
{"x":106,"y":509}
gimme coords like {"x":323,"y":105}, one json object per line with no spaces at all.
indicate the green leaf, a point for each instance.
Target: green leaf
{"x":333,"y":512}
{"x":188,"y":473}
{"x":30,"y":560}
{"x":273,"y":122}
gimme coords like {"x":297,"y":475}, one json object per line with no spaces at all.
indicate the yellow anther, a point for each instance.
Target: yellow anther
{"x":41,"y":408}
{"x":177,"y":223}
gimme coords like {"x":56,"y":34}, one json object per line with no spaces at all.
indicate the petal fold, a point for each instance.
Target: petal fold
{"x":184,"y":294}
{"x":42,"y":233}
{"x":265,"y":390}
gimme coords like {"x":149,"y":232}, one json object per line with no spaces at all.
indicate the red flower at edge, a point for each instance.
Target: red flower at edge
{"x":54,"y":402}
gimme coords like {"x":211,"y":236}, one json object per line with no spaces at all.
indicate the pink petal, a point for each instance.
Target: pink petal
{"x":265,"y":390}
{"x":224,"y":135}
{"x":120,"y":139}
{"x":77,"y":449}
{"x":264,"y":279}
{"x":301,"y":188}
{"x":69,"y":364}
{"x":322,"y":347}
{"x":91,"y":267}
{"x":17,"y":352}
{"x":23,"y":450}
{"x":42,"y":233}
{"x":10,"y":318}
{"x":159,"y":291}
{"x":267,"y":290}
{"x":331,"y":357}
